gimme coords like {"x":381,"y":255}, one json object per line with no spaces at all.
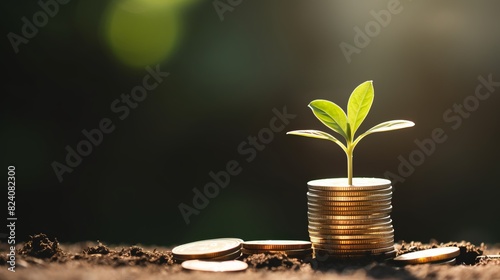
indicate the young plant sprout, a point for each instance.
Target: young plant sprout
{"x":358,"y":106}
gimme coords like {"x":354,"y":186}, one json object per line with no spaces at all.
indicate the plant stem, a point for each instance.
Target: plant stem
{"x":349,"y":154}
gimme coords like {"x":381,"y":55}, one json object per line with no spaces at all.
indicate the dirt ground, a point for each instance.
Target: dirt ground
{"x":44,"y":258}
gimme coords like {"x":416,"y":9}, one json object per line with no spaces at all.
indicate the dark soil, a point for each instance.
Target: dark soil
{"x":40,"y":246}
{"x":47,"y":257}
{"x":278,"y":261}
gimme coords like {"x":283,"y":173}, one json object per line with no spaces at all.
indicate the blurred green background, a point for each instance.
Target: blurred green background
{"x":229,"y":67}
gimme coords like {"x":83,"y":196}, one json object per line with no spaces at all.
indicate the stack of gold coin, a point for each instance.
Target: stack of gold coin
{"x":292,"y":248}
{"x":351,"y":222}
{"x":220,"y":249}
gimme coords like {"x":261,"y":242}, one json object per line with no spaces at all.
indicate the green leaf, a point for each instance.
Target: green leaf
{"x":317,"y":134}
{"x":331,"y":115}
{"x":385,"y":126}
{"x":359,"y":105}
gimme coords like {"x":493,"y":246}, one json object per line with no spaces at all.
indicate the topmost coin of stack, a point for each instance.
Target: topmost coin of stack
{"x":351,"y":222}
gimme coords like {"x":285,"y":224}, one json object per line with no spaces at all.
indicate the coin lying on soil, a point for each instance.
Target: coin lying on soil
{"x":292,"y":248}
{"x":433,"y":255}
{"x":214,"y":266}
{"x":208,"y":249}
{"x":276,"y":245}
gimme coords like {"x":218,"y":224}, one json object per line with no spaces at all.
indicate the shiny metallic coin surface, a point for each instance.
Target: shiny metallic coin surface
{"x":315,"y":197}
{"x":341,"y":184}
{"x":357,"y":214}
{"x":324,"y":255}
{"x":204,"y":249}
{"x":351,"y":193}
{"x":447,"y":262}
{"x":488,"y":257}
{"x":385,"y":201}
{"x":215,"y":266}
{"x":290,"y":253}
{"x":320,"y":213}
{"x":428,"y":255}
{"x":370,"y":226}
{"x":365,"y":208}
{"x":352,"y":236}
{"x":353,"y":246}
{"x":329,"y":237}
{"x":353,"y":252}
{"x":362,"y":252}
{"x":337,"y":211}
{"x":276,"y":244}
{"x":351,"y":221}
{"x":314,"y":216}
{"x":228,"y":257}
{"x":374,"y":232}
{"x":323,"y":222}
{"x":319,"y":241}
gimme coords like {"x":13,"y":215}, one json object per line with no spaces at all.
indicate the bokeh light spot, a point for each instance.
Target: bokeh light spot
{"x":155,"y":4}
{"x":140,"y":33}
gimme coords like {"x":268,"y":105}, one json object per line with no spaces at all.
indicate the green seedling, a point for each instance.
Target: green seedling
{"x":358,"y":106}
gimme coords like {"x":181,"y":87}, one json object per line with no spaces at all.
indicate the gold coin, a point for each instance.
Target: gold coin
{"x":340,"y":184}
{"x":328,"y":238}
{"x":353,"y":232}
{"x":367,"y":235}
{"x":347,"y":232}
{"x":320,"y":226}
{"x":315,"y":197}
{"x":325,"y":244}
{"x":334,"y":211}
{"x":205,"y":249}
{"x":488,"y":257}
{"x":313,"y":216}
{"x":347,"y":256}
{"x":351,"y":237}
{"x":353,"y":246}
{"x":386,"y":201}
{"x":350,"y":193}
{"x":276,"y":244}
{"x":228,"y":257}
{"x":290,"y":253}
{"x":323,"y":222}
{"x":350,"y":253}
{"x":428,"y":255}
{"x":359,"y":251}
{"x":447,"y":262}
{"x":320,"y":241}
{"x":214,"y":266}
{"x":363,"y":208}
